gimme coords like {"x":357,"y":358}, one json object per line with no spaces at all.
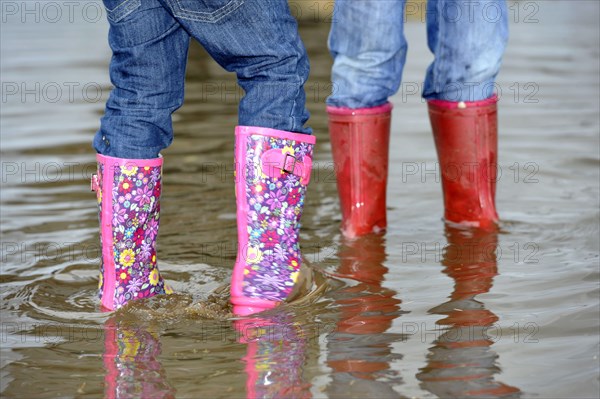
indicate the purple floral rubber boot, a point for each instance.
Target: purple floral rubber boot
{"x":272,"y":172}
{"x":128,"y":192}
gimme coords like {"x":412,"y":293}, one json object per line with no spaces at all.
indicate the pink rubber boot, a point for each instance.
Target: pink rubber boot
{"x":360,"y":141}
{"x":466,"y":140}
{"x":128,"y":192}
{"x":272,"y":172}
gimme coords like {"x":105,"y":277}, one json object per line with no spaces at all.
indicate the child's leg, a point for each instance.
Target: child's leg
{"x":369,"y":49}
{"x":258,"y":40}
{"x":148,"y":70}
{"x":468,"y":41}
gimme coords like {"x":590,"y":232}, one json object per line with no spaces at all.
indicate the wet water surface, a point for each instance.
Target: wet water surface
{"x":425,"y":311}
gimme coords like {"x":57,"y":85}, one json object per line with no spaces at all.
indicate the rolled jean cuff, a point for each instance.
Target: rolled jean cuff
{"x":380,"y":109}
{"x":457,"y":92}
{"x":354,"y":103}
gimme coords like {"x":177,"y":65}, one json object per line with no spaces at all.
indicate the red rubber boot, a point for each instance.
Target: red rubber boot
{"x":360,"y":140}
{"x":466,"y":140}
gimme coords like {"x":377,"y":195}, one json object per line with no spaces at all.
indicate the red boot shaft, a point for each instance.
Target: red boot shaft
{"x":466,"y":141}
{"x":360,"y":146}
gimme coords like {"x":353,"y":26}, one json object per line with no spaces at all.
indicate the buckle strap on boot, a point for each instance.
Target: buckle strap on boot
{"x":275,"y":162}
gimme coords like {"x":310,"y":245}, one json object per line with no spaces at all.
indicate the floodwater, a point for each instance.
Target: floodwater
{"x":424,"y":311}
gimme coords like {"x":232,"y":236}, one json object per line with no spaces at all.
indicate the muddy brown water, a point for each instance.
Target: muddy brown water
{"x":424,"y":311}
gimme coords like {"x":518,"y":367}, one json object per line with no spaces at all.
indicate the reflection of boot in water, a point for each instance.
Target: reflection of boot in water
{"x":462,"y":364}
{"x":131,"y":360}
{"x":275,"y":357}
{"x":359,"y":350}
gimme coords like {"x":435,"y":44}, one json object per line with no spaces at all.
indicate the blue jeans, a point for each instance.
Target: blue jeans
{"x":256,"y":39}
{"x":466,"y":37}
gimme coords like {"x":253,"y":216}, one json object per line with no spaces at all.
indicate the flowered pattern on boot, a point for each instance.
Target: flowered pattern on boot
{"x":135,"y":219}
{"x":274,"y":211}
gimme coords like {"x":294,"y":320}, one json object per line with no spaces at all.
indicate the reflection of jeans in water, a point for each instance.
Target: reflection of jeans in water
{"x":367,"y":43}
{"x":256,"y":39}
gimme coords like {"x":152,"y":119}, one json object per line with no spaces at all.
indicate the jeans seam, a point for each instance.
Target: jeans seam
{"x":208,"y":17}
{"x":129,"y":7}
{"x":299,"y":50}
{"x":300,"y":87}
{"x":438,"y":51}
